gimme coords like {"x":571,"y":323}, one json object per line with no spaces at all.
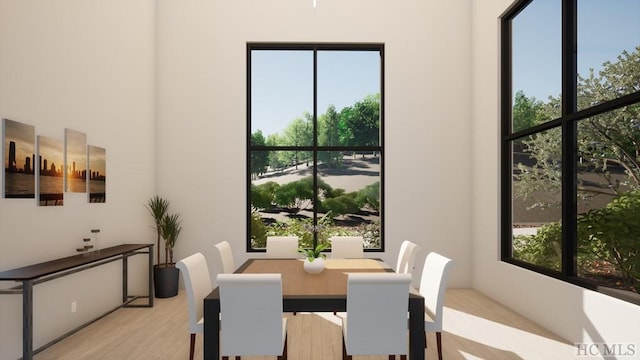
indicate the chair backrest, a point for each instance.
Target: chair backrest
{"x":433,"y":284}
{"x":197,"y":282}
{"x":377,"y":306}
{"x":282,"y":247}
{"x":346,"y":247}
{"x":226,"y":257}
{"x":251,"y":314}
{"x":407,"y":257}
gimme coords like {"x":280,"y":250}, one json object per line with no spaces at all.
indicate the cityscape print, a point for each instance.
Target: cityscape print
{"x":97,"y":174}
{"x":75,"y":161}
{"x":51,"y":171}
{"x":19,"y":159}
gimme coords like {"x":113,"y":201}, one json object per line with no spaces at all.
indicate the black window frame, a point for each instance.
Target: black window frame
{"x":567,"y":121}
{"x":315,"y":148}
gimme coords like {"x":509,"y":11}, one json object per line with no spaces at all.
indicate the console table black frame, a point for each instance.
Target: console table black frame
{"x":38,"y":273}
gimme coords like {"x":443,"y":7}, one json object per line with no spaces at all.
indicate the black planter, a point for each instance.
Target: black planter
{"x":165,"y":281}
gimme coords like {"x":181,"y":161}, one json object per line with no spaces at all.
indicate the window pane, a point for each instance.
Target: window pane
{"x":536,"y":199}
{"x":282,"y":95}
{"x":281,"y":195}
{"x":608,"y":45}
{"x":536,"y":60}
{"x":609,"y":200}
{"x":349,"y":98}
{"x":349,"y":195}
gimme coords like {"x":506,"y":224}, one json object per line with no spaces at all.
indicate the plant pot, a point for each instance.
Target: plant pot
{"x":314,"y":267}
{"x":165,"y":281}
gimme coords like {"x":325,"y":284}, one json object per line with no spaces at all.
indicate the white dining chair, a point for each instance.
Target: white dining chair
{"x":225,"y":257}
{"x":283,"y":247}
{"x":347,"y":247}
{"x":433,"y":285}
{"x":197,"y":283}
{"x":376,"y":319}
{"x":251,"y":315}
{"x":407,"y":257}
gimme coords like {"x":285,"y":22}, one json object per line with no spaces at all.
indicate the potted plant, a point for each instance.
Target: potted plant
{"x":314,"y":258}
{"x":157,"y":207}
{"x":168,"y":227}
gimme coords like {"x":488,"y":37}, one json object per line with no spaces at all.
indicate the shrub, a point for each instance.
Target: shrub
{"x":612,"y":234}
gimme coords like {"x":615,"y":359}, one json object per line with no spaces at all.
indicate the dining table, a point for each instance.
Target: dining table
{"x":303,"y":292}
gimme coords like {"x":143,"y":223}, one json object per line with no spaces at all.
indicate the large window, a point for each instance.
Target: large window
{"x":571,"y":141}
{"x":315,"y":115}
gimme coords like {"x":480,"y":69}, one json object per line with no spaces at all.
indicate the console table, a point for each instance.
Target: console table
{"x":38,"y":273}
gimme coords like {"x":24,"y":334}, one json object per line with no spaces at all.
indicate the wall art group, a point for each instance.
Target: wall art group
{"x":52,"y":168}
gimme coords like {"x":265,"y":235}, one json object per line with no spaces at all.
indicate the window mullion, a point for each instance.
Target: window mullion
{"x":569,"y":138}
{"x":315,"y":144}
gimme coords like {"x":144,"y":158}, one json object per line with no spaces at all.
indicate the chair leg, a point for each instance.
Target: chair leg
{"x":439,"y":341}
{"x":192,"y":346}
{"x":284,"y":351}
{"x":403,"y":357}
{"x":392,"y":357}
{"x":225,"y":358}
{"x":344,"y":351}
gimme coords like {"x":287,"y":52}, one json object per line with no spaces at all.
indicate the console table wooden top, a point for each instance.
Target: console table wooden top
{"x":35,"y":271}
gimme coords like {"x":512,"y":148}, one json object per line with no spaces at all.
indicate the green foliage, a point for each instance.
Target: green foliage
{"x":259,"y":159}
{"x":360,"y":123}
{"x":258,"y":231}
{"x":304,"y":230}
{"x":263,"y":195}
{"x":299,"y":132}
{"x":356,"y":125}
{"x":157,"y":208}
{"x":296,"y":194}
{"x":171,"y":228}
{"x":369,"y":196}
{"x":370,"y":234}
{"x":328,"y":125}
{"x":546,"y":174}
{"x":612,"y":234}
{"x":543,"y":249}
{"x":527,"y":112}
{"x":314,"y":252}
{"x":340,"y":205}
{"x":612,"y":138}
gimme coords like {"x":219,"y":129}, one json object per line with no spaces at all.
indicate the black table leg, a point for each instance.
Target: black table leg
{"x":125,"y":279}
{"x":27,"y":320}
{"x":212,"y":329}
{"x":151,"y":276}
{"x":416,"y":328}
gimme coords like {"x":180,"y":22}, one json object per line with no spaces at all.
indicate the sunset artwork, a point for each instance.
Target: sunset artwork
{"x":97,"y":174}
{"x":75,"y":161}
{"x":19,"y":159}
{"x":51,"y":171}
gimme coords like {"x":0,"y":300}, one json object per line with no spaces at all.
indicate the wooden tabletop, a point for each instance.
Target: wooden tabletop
{"x":331,"y":281}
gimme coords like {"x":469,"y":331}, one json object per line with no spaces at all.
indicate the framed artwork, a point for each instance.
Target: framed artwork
{"x":19,"y":159}
{"x":50,"y":172}
{"x":97,"y":174}
{"x":75,"y":161}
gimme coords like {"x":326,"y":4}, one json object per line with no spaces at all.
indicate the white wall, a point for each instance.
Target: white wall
{"x":202,"y":113}
{"x":87,"y":65}
{"x":572,"y":312}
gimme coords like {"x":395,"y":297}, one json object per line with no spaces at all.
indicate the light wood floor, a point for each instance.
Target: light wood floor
{"x":476,"y":327}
